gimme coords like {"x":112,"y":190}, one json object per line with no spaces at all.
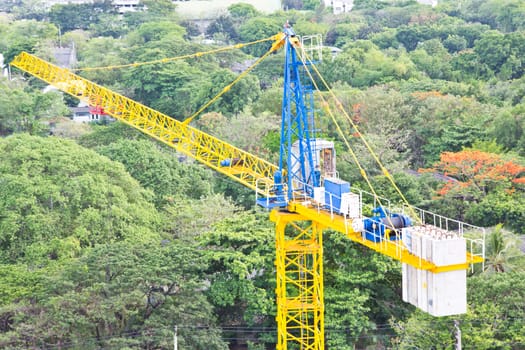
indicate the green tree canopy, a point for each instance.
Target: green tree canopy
{"x":240,"y":251}
{"x":362,"y":64}
{"x":55,"y":189}
{"x":235,"y":99}
{"x":25,"y":35}
{"x":24,"y":110}
{"x":177,"y":90}
{"x":78,"y":16}
{"x":259,"y":28}
{"x":242,"y":11}
{"x":119,"y":295}
{"x":160,"y":170}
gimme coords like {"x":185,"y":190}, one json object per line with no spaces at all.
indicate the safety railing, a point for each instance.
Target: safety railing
{"x":437,"y":224}
{"x":385,"y":236}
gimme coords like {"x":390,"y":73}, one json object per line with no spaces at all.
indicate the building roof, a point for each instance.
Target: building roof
{"x":66,"y":57}
{"x":80,"y":109}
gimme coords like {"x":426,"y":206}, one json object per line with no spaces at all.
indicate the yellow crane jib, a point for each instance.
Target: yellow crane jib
{"x":250,"y":170}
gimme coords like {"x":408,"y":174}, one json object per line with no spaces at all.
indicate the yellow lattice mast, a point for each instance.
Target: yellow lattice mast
{"x":299,"y":215}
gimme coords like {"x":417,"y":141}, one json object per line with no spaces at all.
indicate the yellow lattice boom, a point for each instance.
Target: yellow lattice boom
{"x":251,"y":171}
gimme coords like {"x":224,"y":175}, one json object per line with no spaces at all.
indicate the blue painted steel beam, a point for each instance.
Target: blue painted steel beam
{"x":296,"y":123}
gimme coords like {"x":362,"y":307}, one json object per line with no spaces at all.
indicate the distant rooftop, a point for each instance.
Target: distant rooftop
{"x":66,"y":57}
{"x":194,"y":9}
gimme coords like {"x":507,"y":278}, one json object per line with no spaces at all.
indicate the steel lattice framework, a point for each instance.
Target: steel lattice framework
{"x":299,"y":226}
{"x":246,"y":168}
{"x":299,"y":247}
{"x":299,"y":291}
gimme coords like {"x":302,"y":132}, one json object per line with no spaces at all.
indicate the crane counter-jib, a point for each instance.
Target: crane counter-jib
{"x":391,"y":248}
{"x":246,"y":168}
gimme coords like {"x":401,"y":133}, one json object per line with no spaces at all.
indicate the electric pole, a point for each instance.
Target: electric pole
{"x":175,"y":337}
{"x":457,"y":334}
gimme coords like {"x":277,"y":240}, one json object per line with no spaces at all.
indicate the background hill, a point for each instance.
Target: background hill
{"x":110,"y":239}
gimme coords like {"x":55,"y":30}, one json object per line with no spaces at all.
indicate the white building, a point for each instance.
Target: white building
{"x":126,"y":5}
{"x":87,"y":114}
{"x":121,"y":5}
{"x":339,"y":6}
{"x":432,"y":3}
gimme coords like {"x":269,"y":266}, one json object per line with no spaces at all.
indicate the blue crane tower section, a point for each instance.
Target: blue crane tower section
{"x":299,"y":169}
{"x":303,"y":159}
{"x":307,"y":164}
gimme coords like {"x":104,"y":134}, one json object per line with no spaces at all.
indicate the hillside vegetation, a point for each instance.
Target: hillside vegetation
{"x":110,"y":239}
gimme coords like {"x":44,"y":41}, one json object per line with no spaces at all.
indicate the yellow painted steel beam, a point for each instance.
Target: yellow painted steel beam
{"x":393,"y":249}
{"x":299,"y":265}
{"x":249,"y":170}
{"x":299,"y":248}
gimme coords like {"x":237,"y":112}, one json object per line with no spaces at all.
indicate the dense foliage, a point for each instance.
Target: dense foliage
{"x":109,"y":239}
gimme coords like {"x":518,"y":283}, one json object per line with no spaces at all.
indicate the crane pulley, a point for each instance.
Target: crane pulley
{"x":304,"y":194}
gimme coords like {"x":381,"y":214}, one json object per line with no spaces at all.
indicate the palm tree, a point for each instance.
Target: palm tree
{"x":503,"y":250}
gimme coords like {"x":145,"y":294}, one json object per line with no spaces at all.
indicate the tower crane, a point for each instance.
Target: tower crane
{"x":305,"y":196}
